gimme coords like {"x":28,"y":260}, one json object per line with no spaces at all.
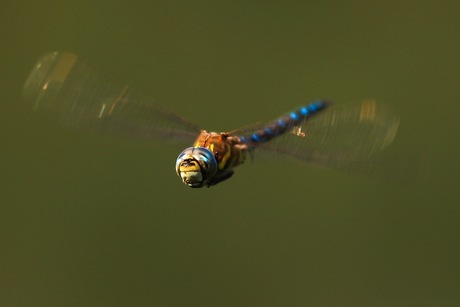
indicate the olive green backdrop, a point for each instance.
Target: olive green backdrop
{"x":90,"y":221}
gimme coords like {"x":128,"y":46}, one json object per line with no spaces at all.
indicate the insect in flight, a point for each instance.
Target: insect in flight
{"x":334,"y":136}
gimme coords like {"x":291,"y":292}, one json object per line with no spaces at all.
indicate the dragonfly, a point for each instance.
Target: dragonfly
{"x":319,"y":133}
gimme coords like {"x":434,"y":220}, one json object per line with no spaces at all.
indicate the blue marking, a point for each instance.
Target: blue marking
{"x":314,"y":107}
{"x":294,"y":116}
{"x":304,"y":111}
{"x":279,"y":126}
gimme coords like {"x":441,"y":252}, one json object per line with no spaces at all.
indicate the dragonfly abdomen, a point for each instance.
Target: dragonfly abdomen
{"x":285,"y":123}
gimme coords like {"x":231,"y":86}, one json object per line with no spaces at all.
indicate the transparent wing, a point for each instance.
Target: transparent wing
{"x":339,"y":136}
{"x":62,"y":83}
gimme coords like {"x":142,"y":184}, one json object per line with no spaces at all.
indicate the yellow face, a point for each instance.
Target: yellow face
{"x":190,"y":172}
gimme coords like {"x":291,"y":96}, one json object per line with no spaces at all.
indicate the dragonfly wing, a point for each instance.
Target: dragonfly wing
{"x":339,"y":135}
{"x":62,"y":83}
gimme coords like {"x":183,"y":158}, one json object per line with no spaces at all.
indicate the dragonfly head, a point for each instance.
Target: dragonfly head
{"x":196,"y":166}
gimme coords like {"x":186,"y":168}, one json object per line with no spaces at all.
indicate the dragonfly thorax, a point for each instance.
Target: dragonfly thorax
{"x":196,"y":166}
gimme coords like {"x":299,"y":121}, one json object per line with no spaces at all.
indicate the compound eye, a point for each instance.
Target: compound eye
{"x":204,"y":161}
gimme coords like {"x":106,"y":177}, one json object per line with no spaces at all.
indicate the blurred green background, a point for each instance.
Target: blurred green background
{"x":86,"y":221}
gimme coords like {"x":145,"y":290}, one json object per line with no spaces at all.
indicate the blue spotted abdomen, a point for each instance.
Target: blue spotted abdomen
{"x":285,"y":123}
